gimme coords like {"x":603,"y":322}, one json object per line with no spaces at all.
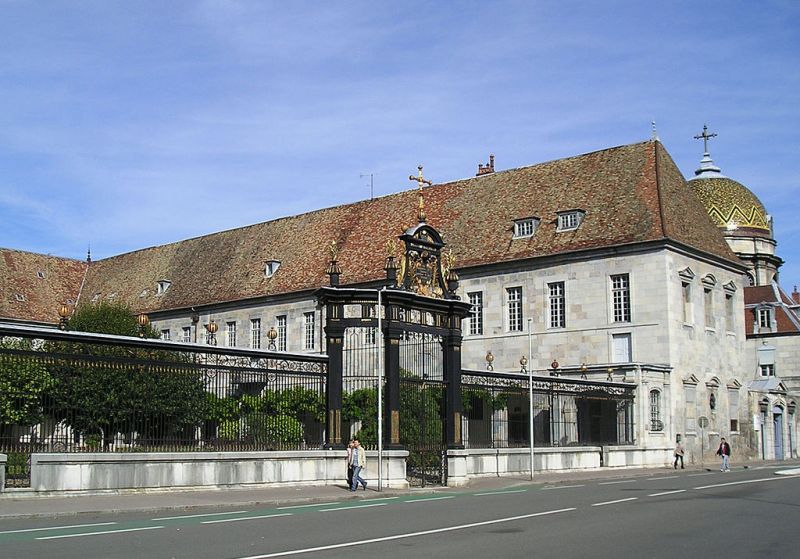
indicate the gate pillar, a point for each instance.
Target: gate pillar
{"x":452,"y":375}
{"x":392,"y":376}
{"x":334,"y":334}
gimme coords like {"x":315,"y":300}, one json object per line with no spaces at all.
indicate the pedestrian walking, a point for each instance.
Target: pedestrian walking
{"x":358,"y":460}
{"x":724,"y":451}
{"x":678,"y":454}
{"x":349,"y":465}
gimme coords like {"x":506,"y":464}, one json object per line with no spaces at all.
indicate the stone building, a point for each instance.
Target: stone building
{"x":609,"y":265}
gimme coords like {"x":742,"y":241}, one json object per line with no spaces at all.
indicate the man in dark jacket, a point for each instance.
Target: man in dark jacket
{"x":724,"y":450}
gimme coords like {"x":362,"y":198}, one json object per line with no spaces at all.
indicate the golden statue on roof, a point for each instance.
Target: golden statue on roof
{"x":421,"y":181}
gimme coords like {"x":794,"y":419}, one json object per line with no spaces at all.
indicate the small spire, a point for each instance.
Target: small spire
{"x":655,"y":132}
{"x":89,"y":254}
{"x":707,"y":168}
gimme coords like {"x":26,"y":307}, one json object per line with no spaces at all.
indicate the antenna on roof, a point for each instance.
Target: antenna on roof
{"x":655,"y":132}
{"x":371,"y":190}
{"x":89,"y":253}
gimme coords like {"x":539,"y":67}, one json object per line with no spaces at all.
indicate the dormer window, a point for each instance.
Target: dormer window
{"x":162,"y":286}
{"x":271,"y":267}
{"x":525,"y":227}
{"x":570,"y":220}
{"x":20,"y":297}
{"x":40,"y":274}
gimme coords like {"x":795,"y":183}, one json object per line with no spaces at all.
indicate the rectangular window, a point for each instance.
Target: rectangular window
{"x":686,"y":291}
{"x":525,"y":227}
{"x":370,"y":336}
{"x":767,"y":370}
{"x":187,"y":334}
{"x":514,"y":299}
{"x":281,"y":328}
{"x":729,"y":315}
{"x":308,"y":327}
{"x":476,"y":313}
{"x":165,"y":335}
{"x":622,"y":348}
{"x":621,"y":297}
{"x":708,"y":306}
{"x":690,"y":393}
{"x":255,"y":333}
{"x":230,"y":334}
{"x":568,"y":221}
{"x":655,"y":411}
{"x":557,"y":301}
{"x":764,"y":319}
{"x":733,"y":409}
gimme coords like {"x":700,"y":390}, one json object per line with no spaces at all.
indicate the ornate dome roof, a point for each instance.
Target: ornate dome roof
{"x":730,"y":204}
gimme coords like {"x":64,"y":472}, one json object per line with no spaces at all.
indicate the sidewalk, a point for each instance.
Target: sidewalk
{"x":23,"y":504}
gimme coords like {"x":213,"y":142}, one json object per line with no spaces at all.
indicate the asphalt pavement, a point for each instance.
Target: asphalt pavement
{"x":27,"y":504}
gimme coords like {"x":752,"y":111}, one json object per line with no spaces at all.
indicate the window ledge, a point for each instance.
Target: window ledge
{"x":710,"y":330}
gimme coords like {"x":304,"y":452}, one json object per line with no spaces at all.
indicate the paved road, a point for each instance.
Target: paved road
{"x":745,"y":513}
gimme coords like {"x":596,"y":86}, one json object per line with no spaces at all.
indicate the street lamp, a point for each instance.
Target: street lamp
{"x":143,"y":321}
{"x":272,"y":334}
{"x":63,"y":313}
{"x":523,"y":363}
{"x":212,"y":328}
{"x":584,"y":368}
{"x":554,"y":365}
{"x":489,"y":361}
{"x":609,"y":377}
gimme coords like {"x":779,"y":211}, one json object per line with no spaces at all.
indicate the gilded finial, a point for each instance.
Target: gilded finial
{"x":333,"y":250}
{"x":421,"y":181}
{"x":391,"y":247}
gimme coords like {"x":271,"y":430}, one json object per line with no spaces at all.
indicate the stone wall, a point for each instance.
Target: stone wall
{"x":110,"y":471}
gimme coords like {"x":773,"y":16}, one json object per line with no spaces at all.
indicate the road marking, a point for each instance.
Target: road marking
{"x":198,"y":515}
{"x":698,"y":475}
{"x":500,"y":492}
{"x":741,"y":482}
{"x":430,"y":499}
{"x":615,"y":482}
{"x":259,"y":517}
{"x":660,"y":478}
{"x":99,"y":533}
{"x":355,"y":507}
{"x":561,"y":487}
{"x":667,"y":493}
{"x":614,"y":502}
{"x":404,"y":536}
{"x":311,"y":505}
{"x":57,"y":528}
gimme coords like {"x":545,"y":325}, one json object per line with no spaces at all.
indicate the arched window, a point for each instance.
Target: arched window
{"x":655,"y":411}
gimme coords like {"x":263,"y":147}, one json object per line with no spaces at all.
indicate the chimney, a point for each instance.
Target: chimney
{"x":486,"y":169}
{"x":796,"y":296}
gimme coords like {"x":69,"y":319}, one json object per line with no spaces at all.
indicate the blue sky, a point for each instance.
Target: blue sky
{"x":131,"y":124}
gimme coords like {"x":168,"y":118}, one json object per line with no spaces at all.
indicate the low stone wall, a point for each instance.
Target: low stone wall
{"x":633,"y":457}
{"x":120,"y":470}
{"x":480,"y":462}
{"x":3,"y":460}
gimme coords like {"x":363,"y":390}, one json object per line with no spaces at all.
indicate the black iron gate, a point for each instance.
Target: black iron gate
{"x":422,"y":408}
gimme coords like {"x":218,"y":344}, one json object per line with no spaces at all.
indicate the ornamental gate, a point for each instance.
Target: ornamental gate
{"x":420,"y":333}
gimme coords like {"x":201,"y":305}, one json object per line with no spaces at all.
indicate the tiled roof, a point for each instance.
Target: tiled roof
{"x":630,"y":194}
{"x":35,"y":285}
{"x":786,"y":318}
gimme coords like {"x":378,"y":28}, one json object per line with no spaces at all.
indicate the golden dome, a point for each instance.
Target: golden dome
{"x":731,"y":205}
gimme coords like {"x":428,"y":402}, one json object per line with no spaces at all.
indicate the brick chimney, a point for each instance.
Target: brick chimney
{"x":486,"y":169}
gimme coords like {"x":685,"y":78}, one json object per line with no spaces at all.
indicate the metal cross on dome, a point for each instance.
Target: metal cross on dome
{"x":705,"y":136}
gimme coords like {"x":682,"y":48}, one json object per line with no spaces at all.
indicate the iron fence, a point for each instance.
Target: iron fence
{"x":567,"y":412}
{"x":78,"y":392}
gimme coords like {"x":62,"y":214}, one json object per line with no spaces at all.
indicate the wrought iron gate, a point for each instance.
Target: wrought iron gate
{"x":422,"y":410}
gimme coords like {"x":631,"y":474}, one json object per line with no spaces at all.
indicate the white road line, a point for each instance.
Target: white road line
{"x":741,"y":482}
{"x":355,"y":507}
{"x":561,"y":487}
{"x":614,"y":502}
{"x":198,"y":515}
{"x":698,"y":475}
{"x":667,"y":493}
{"x":100,"y":533}
{"x":660,"y":478}
{"x":430,"y":499}
{"x":499,"y":492}
{"x":57,"y":528}
{"x":304,"y":506}
{"x":403,"y":536}
{"x":615,"y":482}
{"x":259,"y":517}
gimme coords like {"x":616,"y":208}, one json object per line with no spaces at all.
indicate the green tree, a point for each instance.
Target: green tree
{"x":23,"y":380}
{"x":107,"y":389}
